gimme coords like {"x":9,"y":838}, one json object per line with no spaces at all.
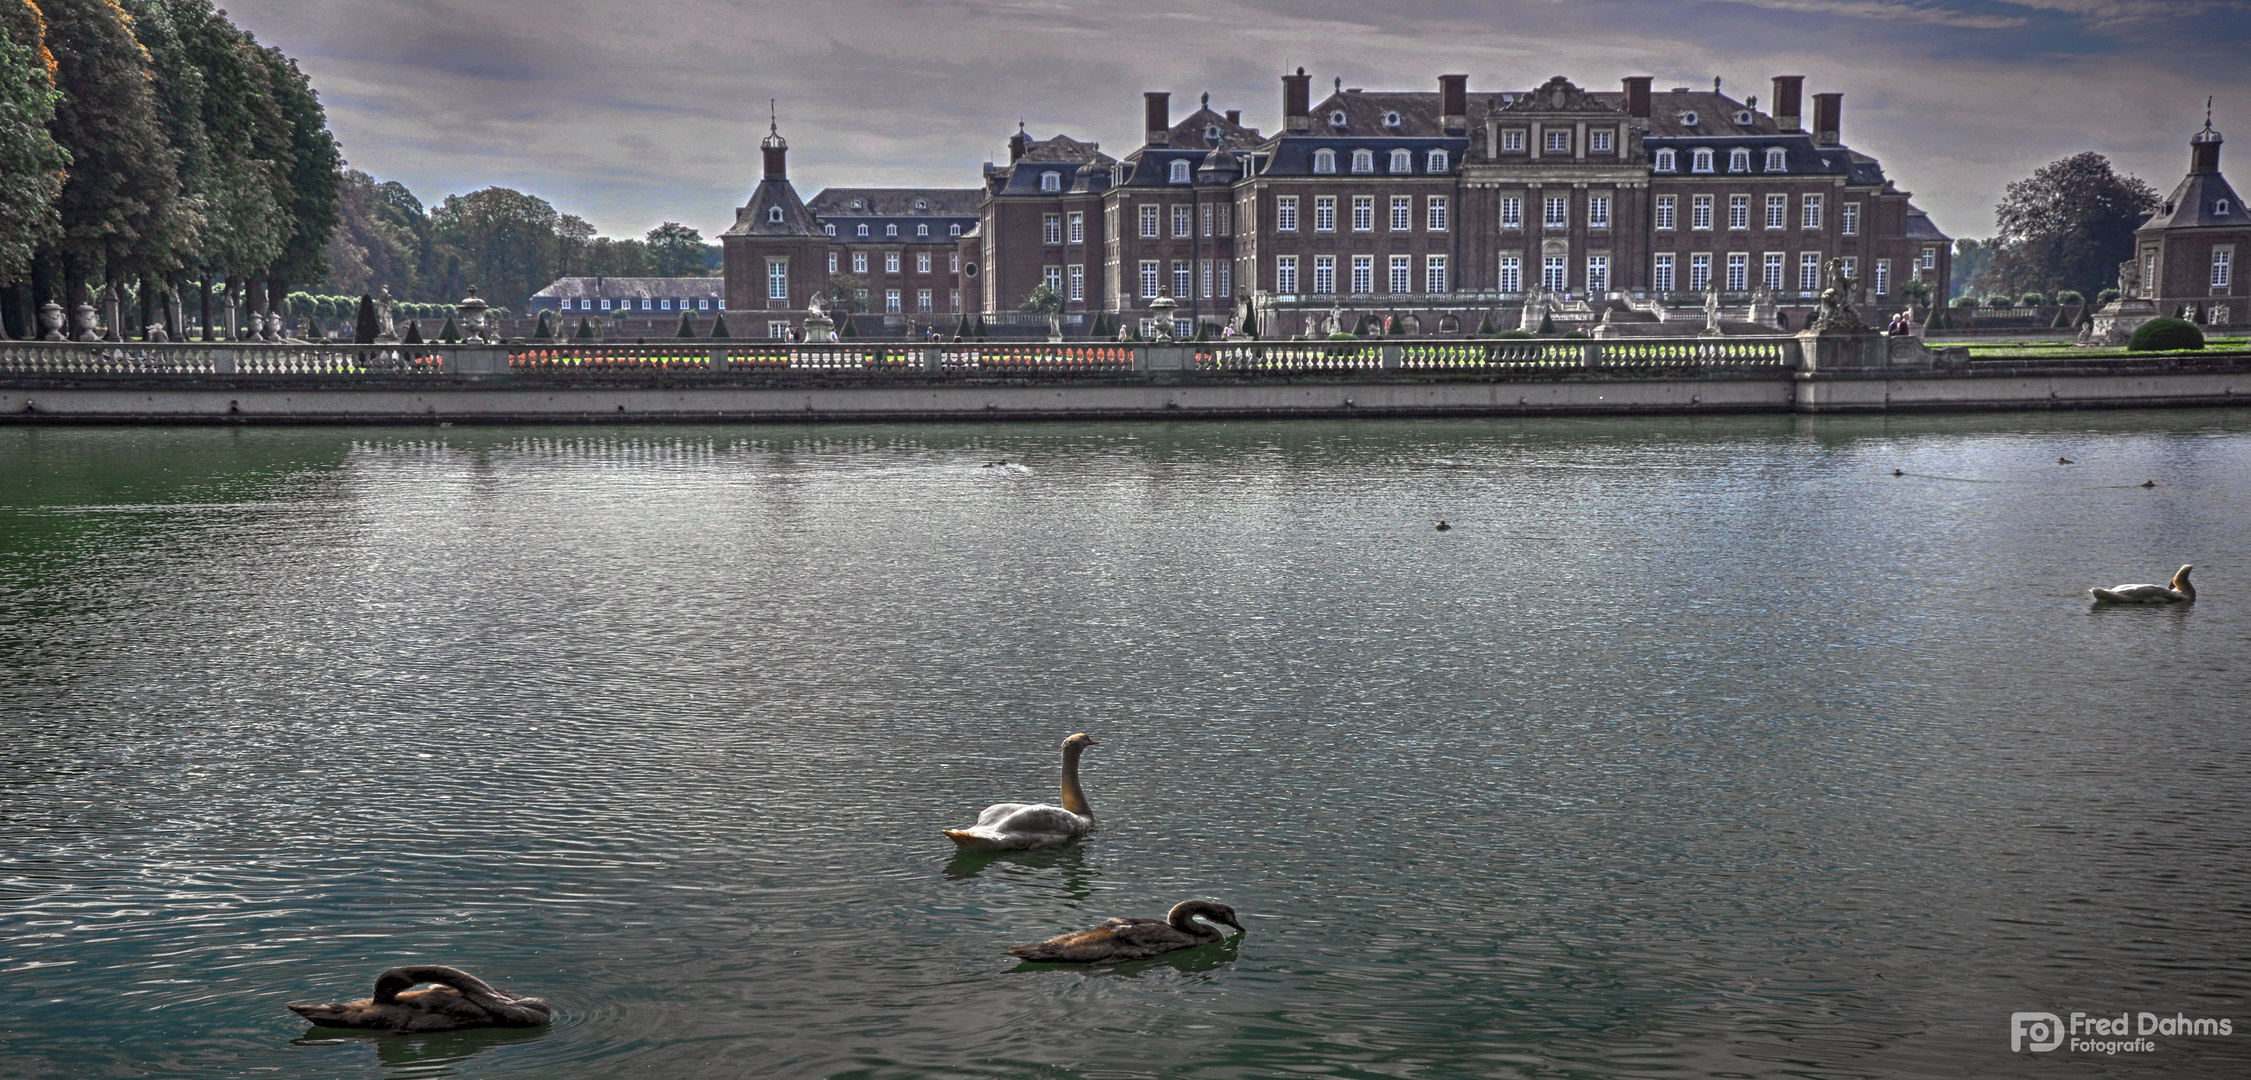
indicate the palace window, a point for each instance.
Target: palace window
{"x":1402,"y":161}
{"x":1285,"y":275}
{"x":1512,"y":212}
{"x":1812,"y":215}
{"x":1207,"y":216}
{"x":1077,"y":223}
{"x":1324,"y":161}
{"x":1777,"y":159}
{"x":1598,"y":274}
{"x":1402,"y":213}
{"x":1558,"y":142}
{"x":922,"y":230}
{"x":1666,"y":161}
{"x":1226,"y":278}
{"x":1402,"y":274}
{"x":1777,"y":211}
{"x":665,"y":304}
{"x":1883,"y":277}
{"x":1363,"y":161}
{"x":1739,"y":211}
{"x":774,"y":215}
{"x":1598,"y":211}
{"x":1180,"y":282}
{"x":890,"y":230}
{"x":1183,"y":224}
{"x":1555,"y":273}
{"x":1363,"y":273}
{"x":1391,"y":119}
{"x":2220,"y":209}
{"x":1051,"y":181}
{"x":1701,"y":161}
{"x":922,"y":262}
{"x":954,"y":261}
{"x":1052,"y":277}
{"x":863,"y":230}
{"x":1598,"y":142}
{"x":777,"y":280}
{"x":832,"y":262}
{"x":1434,"y":274}
{"x":954,"y":231}
{"x":1851,"y":268}
{"x":1513,"y":141}
{"x":1739,"y":160}
{"x":1324,"y":274}
{"x":1849,"y":223}
{"x":1205,"y":268}
{"x":1179,"y":172}
{"x":1773,"y":278}
{"x":1512,"y":274}
{"x":1212,"y":134}
{"x":1700,"y":212}
{"x":1438,"y":163}
{"x":1699,"y":271}
{"x":1558,"y":214}
{"x":890,"y":262}
{"x":779,"y":331}
{"x":1930,"y":258}
{"x":1363,"y":213}
{"x":1436,"y":219}
{"x":1337,"y":119}
{"x":1148,"y":279}
{"x":2223,"y":266}
{"x":1226,"y":219}
{"x":1665,"y":206}
{"x":891,"y":301}
{"x":1809,"y":272}
{"x":859,"y":262}
{"x":1148,"y":221}
{"x":1690,"y":119}
{"x":1051,"y":229}
{"x":829,"y":229}
{"x":1738,"y":272}
{"x":1285,"y":215}
{"x":1662,"y":279}
{"x":1324,"y":213}
{"x":1078,"y":281}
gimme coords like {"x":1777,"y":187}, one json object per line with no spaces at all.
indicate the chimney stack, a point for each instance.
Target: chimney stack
{"x":1789,"y":102}
{"x":1637,"y":96}
{"x":1297,"y":103}
{"x":1156,"y":108}
{"x":2204,"y":151}
{"x":1235,"y":117}
{"x":1453,"y":104}
{"x":1016,"y":145}
{"x":1828,"y":116}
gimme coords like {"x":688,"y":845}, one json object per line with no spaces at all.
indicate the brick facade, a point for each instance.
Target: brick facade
{"x":2191,"y":249}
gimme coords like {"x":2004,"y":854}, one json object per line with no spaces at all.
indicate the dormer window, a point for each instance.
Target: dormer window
{"x":1744,"y":118}
{"x":1363,"y":161}
{"x":1702,"y":162}
{"x":1777,"y":160}
{"x":829,"y":229}
{"x":1179,"y":172}
{"x":1666,"y":161}
{"x":954,"y":230}
{"x":1689,"y":118}
{"x":1324,"y":161}
{"x":863,"y":228}
{"x":2220,"y":209}
{"x":1438,"y":162}
{"x":1739,"y":160}
{"x":1391,"y":119}
{"x":1212,"y":133}
{"x":1051,"y":181}
{"x":1402,"y":161}
{"x":890,"y":230}
{"x":774,"y":215}
{"x":922,"y":204}
{"x":922,"y":230}
{"x":1117,"y":175}
{"x":1337,"y":119}
{"x":858,"y":205}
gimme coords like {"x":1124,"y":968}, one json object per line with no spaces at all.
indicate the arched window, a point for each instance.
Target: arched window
{"x":1777,"y":160}
{"x":829,"y":229}
{"x":1212,"y":133}
{"x":1665,"y":162}
{"x":1402,"y":161}
{"x":1739,"y":160}
{"x":890,"y":230}
{"x":1438,"y":161}
{"x":1363,"y":161}
{"x":1180,"y":171}
{"x":1051,"y":181}
{"x":1337,"y":119}
{"x":1324,"y":161}
{"x":1702,"y":161}
{"x":2220,"y":209}
{"x":863,"y":230}
{"x":922,"y":204}
{"x":1689,"y":118}
{"x":774,"y":214}
{"x":922,"y":230}
{"x":1744,"y":117}
{"x":954,"y":231}
{"x":1391,"y":119}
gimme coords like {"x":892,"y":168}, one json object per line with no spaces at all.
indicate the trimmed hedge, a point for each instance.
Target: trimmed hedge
{"x":2165,"y":335}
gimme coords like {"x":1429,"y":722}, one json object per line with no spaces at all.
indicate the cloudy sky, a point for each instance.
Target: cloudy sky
{"x":629,"y":114}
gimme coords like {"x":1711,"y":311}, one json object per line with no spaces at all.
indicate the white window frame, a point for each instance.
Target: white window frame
{"x":1701,"y":160}
{"x":1512,"y":141}
{"x":891,"y":301}
{"x":1738,"y":272}
{"x":1324,"y":162}
{"x":1075,"y":227}
{"x":1555,"y":212}
{"x":1183,"y":279}
{"x":1555,"y":273}
{"x":921,"y":262}
{"x":1777,"y":159}
{"x":2223,"y":266}
{"x":1051,"y":181}
{"x":1809,"y":211}
{"x":923,"y":301}
{"x":1052,"y":277}
{"x":1512,"y":274}
{"x":1402,"y":161}
{"x":1438,"y":162}
{"x":1699,"y":271}
{"x":1512,"y":211}
{"x":1151,"y":279}
{"x":1324,"y":275}
{"x":1777,"y":211}
{"x":1738,"y":212}
{"x":890,"y":262}
{"x":777,"y":279}
{"x":1598,"y":141}
{"x":1177,"y":172}
{"x":1661,"y":277}
{"x":1324,"y":213}
{"x":1700,"y":213}
{"x":1558,"y":141}
{"x":1285,"y":275}
{"x":1364,"y":162}
{"x":1402,"y":213}
{"x":1363,"y":274}
{"x":1051,"y":229}
{"x":860,"y":262}
{"x":1668,"y":212}
{"x":1285,"y":213}
{"x":1598,"y":211}
{"x":1809,"y":271}
{"x":1434,"y":274}
{"x":1667,"y":161}
{"x":1078,"y":282}
{"x":1881,"y":280}
{"x":1598,"y":275}
{"x":1363,"y":213}
{"x":1739,"y":160}
{"x":1775,"y":266}
{"x":1402,"y":274}
{"x":1848,"y":220}
{"x":1434,"y":213}
{"x":1183,"y":221}
{"x":1151,"y":221}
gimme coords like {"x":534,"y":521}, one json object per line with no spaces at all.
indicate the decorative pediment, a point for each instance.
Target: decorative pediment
{"x":1557,"y":95}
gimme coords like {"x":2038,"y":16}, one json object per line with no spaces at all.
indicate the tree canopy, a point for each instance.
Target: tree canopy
{"x":31,"y":162}
{"x":2067,"y":226}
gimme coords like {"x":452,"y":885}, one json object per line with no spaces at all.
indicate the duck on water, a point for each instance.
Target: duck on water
{"x":1017,"y":826}
{"x":1120,"y":940}
{"x":456,"y":1000}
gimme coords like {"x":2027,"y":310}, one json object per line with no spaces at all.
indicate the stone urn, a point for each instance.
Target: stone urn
{"x":1161,"y":309}
{"x":51,"y":322}
{"x":83,"y":315}
{"x":473,"y":309}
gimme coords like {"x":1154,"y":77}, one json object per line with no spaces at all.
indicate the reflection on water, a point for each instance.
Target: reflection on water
{"x":1696,"y":747}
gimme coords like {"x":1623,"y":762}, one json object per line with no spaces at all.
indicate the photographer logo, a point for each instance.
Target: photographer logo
{"x":2125,"y":1033}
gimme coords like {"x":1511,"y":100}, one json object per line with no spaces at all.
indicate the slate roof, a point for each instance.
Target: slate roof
{"x":897,"y":202}
{"x":1919,"y":226}
{"x":1294,"y":156}
{"x":633,"y":288}
{"x":756,"y":218}
{"x":2194,"y":205}
{"x":1801,"y":156}
{"x":1365,"y":112}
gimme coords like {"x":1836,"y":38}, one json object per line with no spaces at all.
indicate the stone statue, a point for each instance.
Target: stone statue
{"x":386,"y":318}
{"x":154,"y":334}
{"x":2130,"y":280}
{"x":51,"y":320}
{"x":1837,"y":315}
{"x":814,"y":305}
{"x":1711,"y":311}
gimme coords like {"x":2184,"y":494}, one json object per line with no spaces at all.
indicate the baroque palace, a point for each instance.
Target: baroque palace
{"x":1433,"y":213}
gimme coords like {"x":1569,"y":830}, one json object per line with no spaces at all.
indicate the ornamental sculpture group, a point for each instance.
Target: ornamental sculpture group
{"x":476,"y":325}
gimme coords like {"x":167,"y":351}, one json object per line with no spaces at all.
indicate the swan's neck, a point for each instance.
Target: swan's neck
{"x":2181,"y":586}
{"x":1074,"y":797}
{"x":1183,"y":918}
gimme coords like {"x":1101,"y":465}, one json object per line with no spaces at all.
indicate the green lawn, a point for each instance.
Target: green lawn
{"x":2055,"y":350}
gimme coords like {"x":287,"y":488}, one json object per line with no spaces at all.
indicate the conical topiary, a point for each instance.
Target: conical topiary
{"x":687,"y":327}
{"x":980,"y":328}
{"x":2062,"y":320}
{"x":1485,"y":325}
{"x":585,"y":330}
{"x":545,"y":331}
{"x":364,"y":326}
{"x":848,"y":330}
{"x":449,"y":333}
{"x":962,"y":330}
{"x":1547,"y":323}
{"x":719,"y":327}
{"x":413,"y":335}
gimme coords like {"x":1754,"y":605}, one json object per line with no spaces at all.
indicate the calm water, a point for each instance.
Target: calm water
{"x":1698,"y":748}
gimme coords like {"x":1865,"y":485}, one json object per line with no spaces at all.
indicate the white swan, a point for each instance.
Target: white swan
{"x":1014,"y":826}
{"x":2179,"y":592}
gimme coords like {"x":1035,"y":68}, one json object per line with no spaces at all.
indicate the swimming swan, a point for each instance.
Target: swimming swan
{"x":1015,"y":826}
{"x":2179,"y":592}
{"x":1120,"y":940}
{"x":459,"y":1000}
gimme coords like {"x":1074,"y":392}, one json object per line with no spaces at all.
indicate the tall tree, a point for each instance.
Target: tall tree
{"x":675,"y":250}
{"x":313,"y":167}
{"x":607,"y":257}
{"x":179,"y":87}
{"x":243,"y":190}
{"x":505,"y":237}
{"x":31,"y":162}
{"x":2067,"y":226}
{"x":118,"y":200}
{"x":573,"y":235}
{"x":376,"y":244}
